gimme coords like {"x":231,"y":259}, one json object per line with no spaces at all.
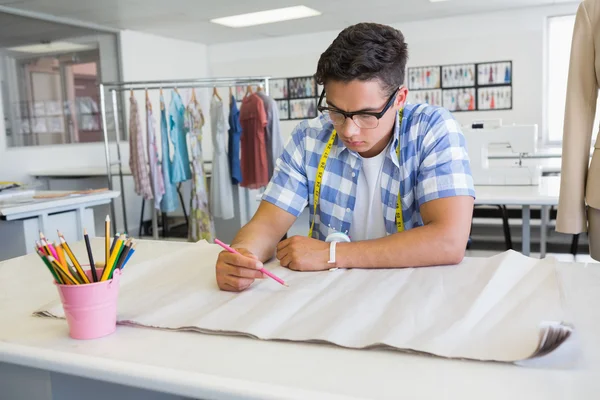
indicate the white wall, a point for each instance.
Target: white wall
{"x":517,"y":35}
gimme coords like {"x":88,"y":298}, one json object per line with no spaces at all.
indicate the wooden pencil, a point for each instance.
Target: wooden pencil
{"x":61,"y":254}
{"x":76,"y":264}
{"x":47,"y":263}
{"x":63,"y":272}
{"x":90,"y":255}
{"x":106,"y":239}
{"x":112,"y":259}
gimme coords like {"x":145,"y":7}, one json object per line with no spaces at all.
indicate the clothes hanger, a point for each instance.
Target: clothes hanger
{"x":259,"y":88}
{"x":216,"y":93}
{"x":193,"y":99}
{"x":248,"y":90}
{"x":230,"y":92}
{"x":162,"y":103}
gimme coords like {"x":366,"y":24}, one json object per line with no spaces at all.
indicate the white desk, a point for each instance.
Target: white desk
{"x":544,"y":195}
{"x":22,"y":216}
{"x":36,"y":356}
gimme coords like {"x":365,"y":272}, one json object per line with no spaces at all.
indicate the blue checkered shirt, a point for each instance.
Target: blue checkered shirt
{"x":434,"y":164}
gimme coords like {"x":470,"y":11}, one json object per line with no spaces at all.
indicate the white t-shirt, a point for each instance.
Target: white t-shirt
{"x":367,"y":220}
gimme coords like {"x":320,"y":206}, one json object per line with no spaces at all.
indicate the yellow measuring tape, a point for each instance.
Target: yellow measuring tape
{"x":321,"y":171}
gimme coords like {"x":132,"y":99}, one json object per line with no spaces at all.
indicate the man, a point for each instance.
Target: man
{"x":374,"y":147}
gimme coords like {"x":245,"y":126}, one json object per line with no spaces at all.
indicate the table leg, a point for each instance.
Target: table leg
{"x":42,"y":222}
{"x":544,"y":230}
{"x":79,"y":219}
{"x":526,"y":235}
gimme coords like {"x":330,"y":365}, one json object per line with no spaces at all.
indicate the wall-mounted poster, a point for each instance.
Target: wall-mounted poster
{"x":278,"y":88}
{"x":303,"y":108}
{"x":459,"y":99}
{"x":495,"y":73}
{"x":432,"y":97}
{"x":284,"y":109}
{"x":424,"y":78}
{"x":459,"y":75}
{"x":302,"y":87}
{"x":495,"y":98}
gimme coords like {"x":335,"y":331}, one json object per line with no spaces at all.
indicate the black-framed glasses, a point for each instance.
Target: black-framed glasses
{"x":362,"y":119}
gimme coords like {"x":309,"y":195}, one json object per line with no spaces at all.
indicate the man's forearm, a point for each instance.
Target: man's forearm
{"x":258,"y":238}
{"x":424,"y":246}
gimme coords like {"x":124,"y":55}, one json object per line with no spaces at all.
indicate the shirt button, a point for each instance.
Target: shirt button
{"x":347,"y":210}
{"x":353,"y":174}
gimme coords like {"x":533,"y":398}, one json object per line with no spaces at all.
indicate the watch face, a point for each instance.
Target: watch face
{"x":338,"y":237}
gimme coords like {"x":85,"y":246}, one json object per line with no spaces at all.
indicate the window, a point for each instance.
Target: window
{"x":560,"y":33}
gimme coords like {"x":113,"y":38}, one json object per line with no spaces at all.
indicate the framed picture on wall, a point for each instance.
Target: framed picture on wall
{"x":423,"y":78}
{"x":302,"y":87}
{"x":278,"y":88}
{"x":459,"y":99}
{"x":432,"y":97}
{"x":459,"y":75}
{"x":303,"y":108}
{"x":284,"y":109}
{"x":494,"y":98}
{"x":495,"y":73}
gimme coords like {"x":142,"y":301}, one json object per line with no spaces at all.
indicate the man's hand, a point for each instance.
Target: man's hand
{"x":237,"y":272}
{"x":301,"y":253}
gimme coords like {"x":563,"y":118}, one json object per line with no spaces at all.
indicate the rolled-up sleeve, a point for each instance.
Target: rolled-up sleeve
{"x":288,"y":188}
{"x":444,"y":169}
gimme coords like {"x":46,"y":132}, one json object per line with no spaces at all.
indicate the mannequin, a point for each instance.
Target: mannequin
{"x":579,"y":201}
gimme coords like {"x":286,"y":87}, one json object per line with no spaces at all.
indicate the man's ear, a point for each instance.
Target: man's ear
{"x":401,"y":98}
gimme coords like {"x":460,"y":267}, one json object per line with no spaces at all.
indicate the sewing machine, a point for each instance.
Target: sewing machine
{"x":519,"y":139}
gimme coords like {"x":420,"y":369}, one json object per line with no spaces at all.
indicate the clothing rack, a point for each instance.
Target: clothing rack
{"x":115,"y":87}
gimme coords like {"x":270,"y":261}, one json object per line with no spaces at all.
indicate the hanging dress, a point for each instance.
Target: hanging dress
{"x":137,"y":153}
{"x":221,"y":194}
{"x":168,"y":202}
{"x":180,"y":166}
{"x":253,"y":119}
{"x":235,"y":133}
{"x":201,"y":225}
{"x":156,"y":176}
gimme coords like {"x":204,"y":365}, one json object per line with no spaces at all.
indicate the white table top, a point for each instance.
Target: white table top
{"x":18,"y":207}
{"x":227,"y":367}
{"x":544,"y":194}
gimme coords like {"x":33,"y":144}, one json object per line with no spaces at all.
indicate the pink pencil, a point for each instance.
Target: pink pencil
{"x":263,"y":270}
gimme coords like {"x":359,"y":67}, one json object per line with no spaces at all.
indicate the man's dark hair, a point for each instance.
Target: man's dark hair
{"x":365,"y":51}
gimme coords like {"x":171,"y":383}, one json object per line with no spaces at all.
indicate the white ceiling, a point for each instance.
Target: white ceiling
{"x":189,"y":19}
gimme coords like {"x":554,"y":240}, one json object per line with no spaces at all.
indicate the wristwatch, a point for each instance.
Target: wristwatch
{"x":333,"y":239}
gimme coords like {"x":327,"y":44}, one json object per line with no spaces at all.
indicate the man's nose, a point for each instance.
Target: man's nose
{"x":348,"y":128}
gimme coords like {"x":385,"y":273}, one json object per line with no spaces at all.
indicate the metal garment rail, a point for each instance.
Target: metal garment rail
{"x":114,"y":87}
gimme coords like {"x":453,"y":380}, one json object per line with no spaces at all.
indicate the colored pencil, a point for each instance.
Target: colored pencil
{"x":61,"y":254}
{"x":64,"y":272}
{"x":129,"y":254}
{"x":42,"y":249}
{"x":74,"y":273}
{"x":112,"y":259}
{"x":116,"y":263}
{"x":66,"y":280}
{"x":124,"y":253}
{"x":106,"y":240}
{"x":114,"y":241}
{"x":263,"y":270}
{"x":47,"y":263}
{"x":76,"y":264}
{"x":90,"y":255}
{"x":46,"y":246}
